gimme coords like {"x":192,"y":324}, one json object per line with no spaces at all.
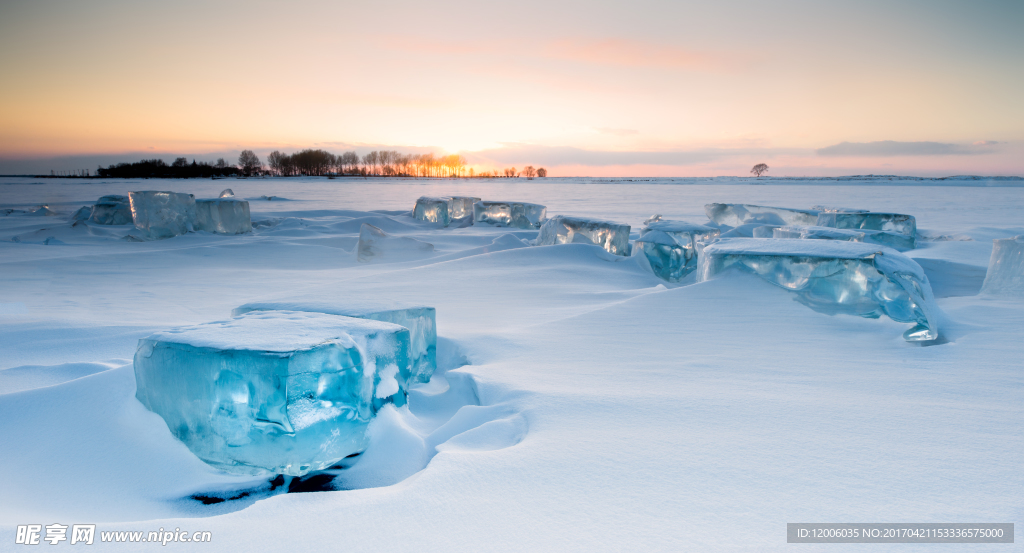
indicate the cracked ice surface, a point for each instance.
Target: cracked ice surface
{"x":433,"y":210}
{"x":672,"y":247}
{"x":613,"y":237}
{"x":736,"y":215}
{"x":272,"y":391}
{"x":225,"y":215}
{"x":418,"y":319}
{"x":510,"y":214}
{"x":835,"y":277}
{"x":163,"y":214}
{"x":1005,"y":274}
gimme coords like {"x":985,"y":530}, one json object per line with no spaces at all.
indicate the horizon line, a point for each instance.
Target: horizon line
{"x":809,"y":177}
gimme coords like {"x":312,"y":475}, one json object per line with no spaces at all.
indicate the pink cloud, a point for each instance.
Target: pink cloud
{"x":629,"y":53}
{"x":607,"y":52}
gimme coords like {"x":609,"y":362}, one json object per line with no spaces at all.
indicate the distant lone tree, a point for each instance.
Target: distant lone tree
{"x":542,"y":172}
{"x":180,"y":162}
{"x":758,"y":169}
{"x":249,"y":163}
{"x":530,"y":172}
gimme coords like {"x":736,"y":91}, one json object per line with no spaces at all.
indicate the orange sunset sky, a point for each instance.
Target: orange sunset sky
{"x":638,"y":88}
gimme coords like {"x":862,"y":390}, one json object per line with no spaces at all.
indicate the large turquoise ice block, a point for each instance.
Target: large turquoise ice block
{"x":613,"y":237}
{"x":163,"y":214}
{"x":272,"y":391}
{"x":672,"y":247}
{"x":895,"y":230}
{"x":896,"y":241}
{"x":420,"y":320}
{"x":510,"y":214}
{"x":433,"y":210}
{"x":736,"y":215}
{"x":835,"y":277}
{"x":462,"y":207}
{"x":1005,"y":274}
{"x":111,"y":210}
{"x":226,"y":215}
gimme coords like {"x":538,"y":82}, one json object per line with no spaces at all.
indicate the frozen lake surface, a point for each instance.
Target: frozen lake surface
{"x":580,"y":403}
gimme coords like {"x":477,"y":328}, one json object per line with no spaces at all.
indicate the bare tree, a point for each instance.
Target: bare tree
{"x":371,"y":160}
{"x":248,"y":163}
{"x":276,"y":161}
{"x":427,"y":164}
{"x":221,"y":163}
{"x":350,"y":162}
{"x":530,"y":172}
{"x":542,"y":172}
{"x":758,"y":169}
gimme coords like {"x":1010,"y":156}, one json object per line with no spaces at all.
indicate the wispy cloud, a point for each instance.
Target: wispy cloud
{"x":564,"y":155}
{"x":629,"y":53}
{"x":617,"y":132}
{"x":617,"y":52}
{"x":892,"y":148}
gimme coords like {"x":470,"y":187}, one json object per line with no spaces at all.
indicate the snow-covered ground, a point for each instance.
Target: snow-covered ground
{"x":581,"y":403}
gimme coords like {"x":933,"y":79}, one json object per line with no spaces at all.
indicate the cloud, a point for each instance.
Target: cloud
{"x":891,"y":148}
{"x":564,"y":155}
{"x":617,"y":132}
{"x":602,"y":52}
{"x":628,"y":53}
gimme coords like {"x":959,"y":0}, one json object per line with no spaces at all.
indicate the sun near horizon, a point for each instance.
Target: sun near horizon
{"x":654,"y":88}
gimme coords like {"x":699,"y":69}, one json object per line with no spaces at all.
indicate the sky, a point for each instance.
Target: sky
{"x":594,"y":88}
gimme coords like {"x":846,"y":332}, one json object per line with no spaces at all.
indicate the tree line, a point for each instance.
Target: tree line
{"x":378,"y":163}
{"x":384,"y":163}
{"x":159,"y":169}
{"x":317,"y":163}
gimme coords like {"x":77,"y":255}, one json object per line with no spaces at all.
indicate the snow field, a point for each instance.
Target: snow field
{"x":580,"y":403}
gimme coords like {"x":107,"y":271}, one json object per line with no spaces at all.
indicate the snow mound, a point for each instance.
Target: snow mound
{"x":375,"y":245}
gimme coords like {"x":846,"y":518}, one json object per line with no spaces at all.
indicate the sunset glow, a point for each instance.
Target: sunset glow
{"x":743,"y":81}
